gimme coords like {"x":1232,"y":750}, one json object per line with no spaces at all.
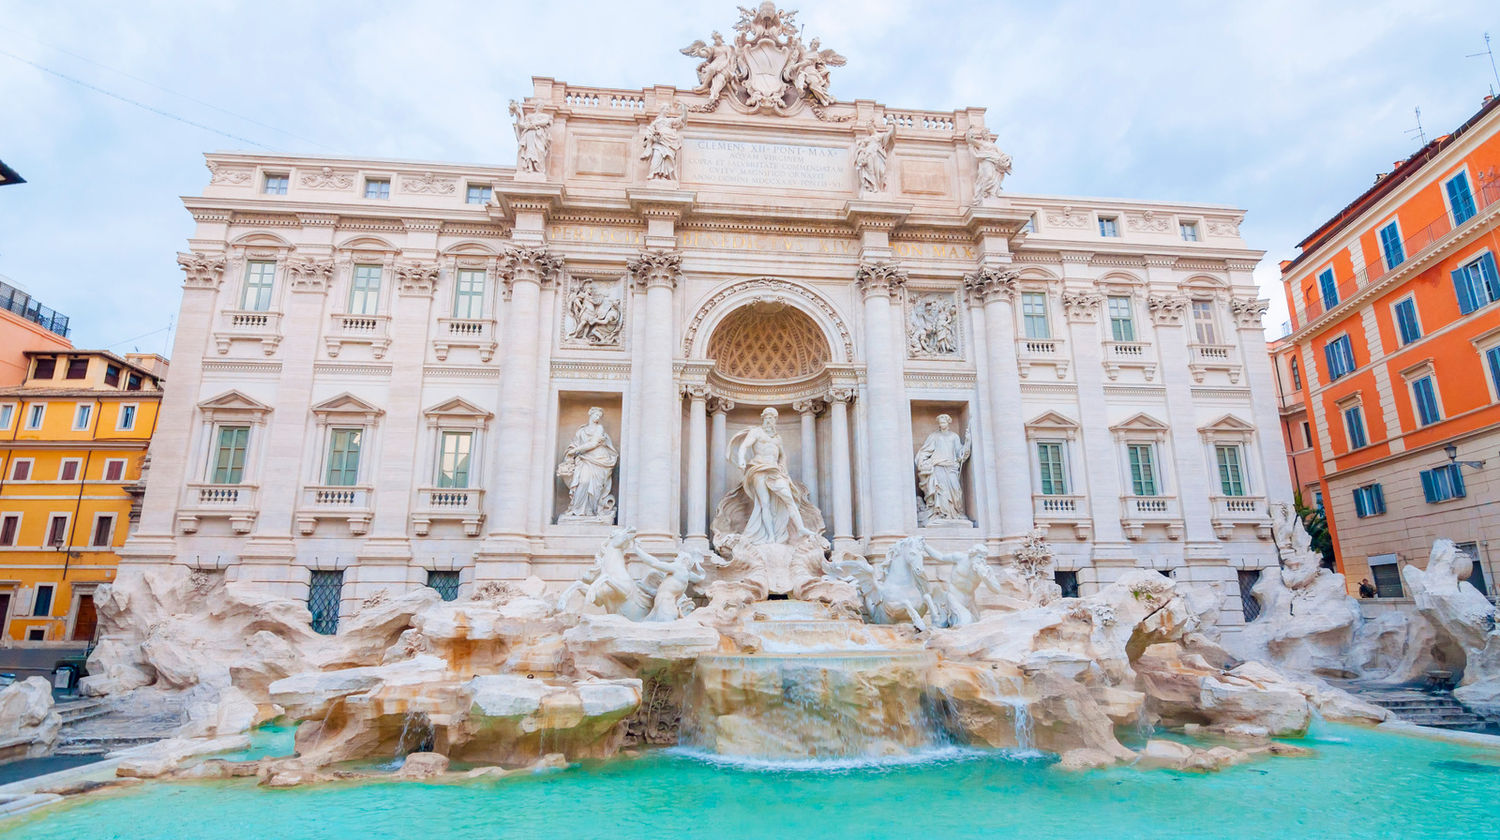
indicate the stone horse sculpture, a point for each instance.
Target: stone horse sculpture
{"x":895,"y":589}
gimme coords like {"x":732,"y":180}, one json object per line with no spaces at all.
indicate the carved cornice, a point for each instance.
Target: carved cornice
{"x":520,"y":264}
{"x":422,"y":225}
{"x":656,"y":268}
{"x":203,"y":271}
{"x":879,"y":278}
{"x":309,"y":275}
{"x":1076,"y":257}
{"x":416,"y":278}
{"x":1248,"y":311}
{"x":991,"y":283}
{"x":1166,"y":310}
{"x":1082,"y":306}
{"x":1159,"y":260}
{"x":315,"y":220}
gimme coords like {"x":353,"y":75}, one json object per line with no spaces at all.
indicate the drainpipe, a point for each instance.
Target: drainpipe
{"x":83,"y":476}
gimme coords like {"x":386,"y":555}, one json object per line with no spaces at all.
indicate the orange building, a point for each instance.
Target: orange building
{"x":26,"y":325}
{"x":1395,"y":306}
{"x":1296,"y":427}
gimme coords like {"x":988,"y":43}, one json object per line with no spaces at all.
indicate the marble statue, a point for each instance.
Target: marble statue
{"x":662,"y":142}
{"x":932,"y":329}
{"x":1032,"y":562}
{"x":895,"y":590}
{"x":940,"y":464}
{"x":807,"y":71}
{"x":588,"y":466}
{"x":533,"y":138}
{"x":718,"y":67}
{"x":609,"y":585}
{"x":596,"y":318}
{"x":958,"y":595}
{"x":671,"y":601}
{"x":767,"y":67}
{"x":870,"y":154}
{"x":775,"y":515}
{"x":993,"y":164}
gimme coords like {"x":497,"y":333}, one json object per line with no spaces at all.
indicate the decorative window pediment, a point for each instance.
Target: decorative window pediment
{"x":457,"y":413}
{"x":234,"y":405}
{"x":1052,"y":424}
{"x":346,"y":408}
{"x":1228,"y":427}
{"x":1141,"y":426}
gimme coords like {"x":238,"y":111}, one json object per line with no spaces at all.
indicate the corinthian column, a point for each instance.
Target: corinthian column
{"x":524,"y":271}
{"x":808,"y":409}
{"x":838,"y":425}
{"x":997,"y":287}
{"x":889,"y":471}
{"x":718,"y":443}
{"x":658,"y":271}
{"x":697,"y":477}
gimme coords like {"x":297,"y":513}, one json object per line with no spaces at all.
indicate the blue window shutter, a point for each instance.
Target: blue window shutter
{"x":1456,"y":475}
{"x":1379,"y":498}
{"x":1460,"y":199}
{"x":1429,"y":486}
{"x":1491,"y":277}
{"x":1493,"y":357}
{"x":1464,"y":291}
{"x":1359,"y":503}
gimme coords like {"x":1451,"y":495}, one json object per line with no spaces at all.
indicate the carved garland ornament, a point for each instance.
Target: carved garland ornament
{"x":1082,"y":306}
{"x":1166,"y":310}
{"x":417,"y":278}
{"x":327,"y":179}
{"x":430,"y":183}
{"x":773,"y":289}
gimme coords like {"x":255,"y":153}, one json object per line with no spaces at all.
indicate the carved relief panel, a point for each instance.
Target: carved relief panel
{"x":593,"y":312}
{"x":932,"y":327}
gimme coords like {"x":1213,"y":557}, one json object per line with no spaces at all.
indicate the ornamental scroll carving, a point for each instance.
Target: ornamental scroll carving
{"x":1149,"y":222}
{"x":218,"y":174}
{"x":416,"y":278}
{"x":1166,"y":310}
{"x":1068,"y":217}
{"x":1248,"y":312}
{"x":766,"y":67}
{"x":1223,"y":227}
{"x":932,"y":327}
{"x":429,"y":183}
{"x":203,"y":271}
{"x":1082,"y":306}
{"x":309,"y":275}
{"x":327,"y":179}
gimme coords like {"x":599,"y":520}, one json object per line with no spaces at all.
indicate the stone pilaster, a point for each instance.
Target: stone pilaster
{"x":658,"y":271}
{"x":878,"y":282}
{"x":996,"y":286}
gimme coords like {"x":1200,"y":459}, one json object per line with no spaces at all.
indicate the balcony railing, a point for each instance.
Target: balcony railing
{"x":478,"y":333}
{"x":1136,"y":512}
{"x":236,"y":502}
{"x":23,"y":304}
{"x":1063,"y":511}
{"x":1206,"y":357}
{"x":1229,"y":511}
{"x":373,"y":330}
{"x":1129,"y":354}
{"x":349,"y":503}
{"x":248,"y":325}
{"x":1048,"y":351}
{"x":1413,"y":247}
{"x":461,"y":504}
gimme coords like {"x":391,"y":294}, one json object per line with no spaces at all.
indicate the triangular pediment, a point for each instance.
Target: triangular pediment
{"x":234,"y":401}
{"x":347,"y":403}
{"x":458,"y":407}
{"x":1052,"y":420}
{"x":1228,"y":423}
{"x":1142,"y":422}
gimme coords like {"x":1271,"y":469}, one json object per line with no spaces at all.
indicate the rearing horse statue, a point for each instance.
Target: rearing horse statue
{"x":895,"y":589}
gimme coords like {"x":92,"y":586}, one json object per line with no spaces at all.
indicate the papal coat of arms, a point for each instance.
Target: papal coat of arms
{"x":767,"y":67}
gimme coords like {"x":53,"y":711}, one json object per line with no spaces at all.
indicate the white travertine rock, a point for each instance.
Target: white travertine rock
{"x":28,"y":723}
{"x":614,"y":646}
{"x":423,"y":765}
{"x":162,"y":757}
{"x":226,"y":712}
{"x":1444,"y":597}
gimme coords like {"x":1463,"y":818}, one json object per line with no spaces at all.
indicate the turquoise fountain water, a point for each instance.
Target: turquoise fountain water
{"x":1360,"y":784}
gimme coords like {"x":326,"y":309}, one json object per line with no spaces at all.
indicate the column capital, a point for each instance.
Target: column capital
{"x":879,"y":278}
{"x":839,"y":394}
{"x":812,"y":405}
{"x":417,"y":278}
{"x":1082,"y":306}
{"x":720,"y":404}
{"x":656,"y":268}
{"x":204,"y":271}
{"x":1166,"y":310}
{"x":528,"y":264}
{"x":695,"y":390}
{"x":991,"y":283}
{"x":1248,"y":312}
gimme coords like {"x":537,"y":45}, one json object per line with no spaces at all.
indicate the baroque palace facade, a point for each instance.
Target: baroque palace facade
{"x":385,"y":371}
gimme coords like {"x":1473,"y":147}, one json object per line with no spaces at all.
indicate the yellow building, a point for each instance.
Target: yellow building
{"x":73,"y":440}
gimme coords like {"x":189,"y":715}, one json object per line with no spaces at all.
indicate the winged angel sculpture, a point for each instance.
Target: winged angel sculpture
{"x":767,"y":66}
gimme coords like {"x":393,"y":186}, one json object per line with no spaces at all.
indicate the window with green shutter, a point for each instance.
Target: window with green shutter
{"x":343,"y":457}
{"x":453,"y":460}
{"x":229,"y":454}
{"x":1051,"y":470}
{"x":1142,"y":469}
{"x":1231,"y":475}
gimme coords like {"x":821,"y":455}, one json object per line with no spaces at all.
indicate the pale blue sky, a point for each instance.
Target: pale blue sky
{"x":1286,"y":109}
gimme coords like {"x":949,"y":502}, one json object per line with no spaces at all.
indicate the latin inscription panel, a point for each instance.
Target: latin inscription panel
{"x":740,"y":163}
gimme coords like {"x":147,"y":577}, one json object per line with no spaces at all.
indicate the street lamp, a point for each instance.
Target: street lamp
{"x":1451,"y":450}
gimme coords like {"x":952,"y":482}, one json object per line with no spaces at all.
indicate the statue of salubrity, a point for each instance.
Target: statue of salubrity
{"x":588,"y":467}
{"x":940,"y":464}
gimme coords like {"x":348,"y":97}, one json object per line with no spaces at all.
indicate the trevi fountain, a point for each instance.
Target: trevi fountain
{"x":756,"y":667}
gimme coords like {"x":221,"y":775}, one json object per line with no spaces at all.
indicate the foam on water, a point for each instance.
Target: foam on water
{"x":945,"y":754}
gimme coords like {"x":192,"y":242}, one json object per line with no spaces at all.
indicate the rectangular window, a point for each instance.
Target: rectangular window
{"x":1369,"y":500}
{"x":1030,"y":226}
{"x":68,"y":469}
{"x":10,"y":527}
{"x":36,"y":415}
{"x":468,"y":293}
{"x":1354,"y":427}
{"x":1034,"y":315}
{"x":42,"y":606}
{"x":477,"y":194}
{"x":377,"y":188}
{"x":1204,"y":328}
{"x":1109,"y":226}
{"x":81,"y":416}
{"x":1121,"y":318}
{"x":1406,"y":320}
{"x":324,"y":591}
{"x":1189,"y":231}
{"x":57,"y":530}
{"x":1248,"y":603}
{"x":260,"y":277}
{"x":1476,"y":577}
{"x":1390,"y":245}
{"x":229,"y":455}
{"x":1440,"y":484}
{"x":1067,"y":581}
{"x":1339,"y":353}
{"x":1328,"y":288}
{"x":104,"y":530}
{"x":111,"y":375}
{"x":1491,"y":357}
{"x":46,"y":366}
{"x":446,"y":584}
{"x":364,"y":290}
{"x":1306,"y":435}
{"x":276,"y":184}
{"x":1460,"y":198}
{"x":1052,"y":471}
{"x":126,"y":421}
{"x":1477,"y":284}
{"x":20,"y":469}
{"x":1231,"y":476}
{"x":1387,"y":576}
{"x":78,"y":368}
{"x":1142,"y":469}
{"x":453,"y":459}
{"x":114,"y":469}
{"x":134,"y":383}
{"x":7,"y":414}
{"x":343,"y":457}
{"x":1296,"y":374}
{"x":1424,"y":394}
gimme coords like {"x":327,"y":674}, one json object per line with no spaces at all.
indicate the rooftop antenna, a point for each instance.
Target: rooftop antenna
{"x":1421,"y":135}
{"x":1490,"y":54}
